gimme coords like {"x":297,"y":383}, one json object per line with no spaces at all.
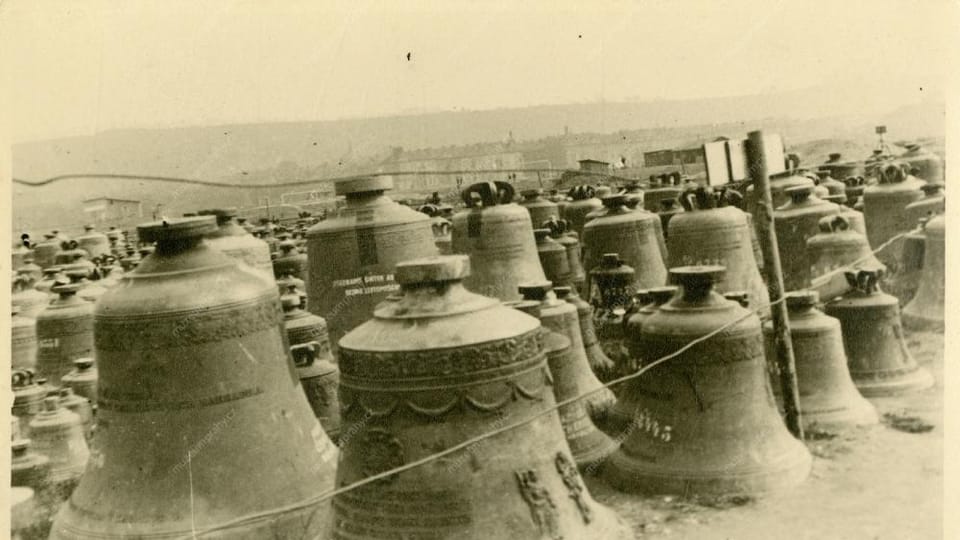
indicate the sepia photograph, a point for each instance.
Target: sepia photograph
{"x":479,"y":270}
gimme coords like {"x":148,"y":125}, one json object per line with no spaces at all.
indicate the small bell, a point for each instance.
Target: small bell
{"x":58,"y":434}
{"x":877,"y":354}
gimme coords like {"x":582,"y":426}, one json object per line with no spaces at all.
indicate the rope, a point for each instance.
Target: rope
{"x":474,"y":440}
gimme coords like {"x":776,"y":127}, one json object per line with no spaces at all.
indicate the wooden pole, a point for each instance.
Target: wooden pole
{"x":766,"y":234}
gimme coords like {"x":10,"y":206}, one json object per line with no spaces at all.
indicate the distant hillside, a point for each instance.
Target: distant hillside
{"x":266,"y":153}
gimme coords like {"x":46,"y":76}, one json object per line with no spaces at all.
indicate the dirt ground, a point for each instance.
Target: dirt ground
{"x":881,"y":482}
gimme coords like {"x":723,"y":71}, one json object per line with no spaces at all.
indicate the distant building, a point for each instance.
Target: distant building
{"x":594,"y":165}
{"x":110,"y":211}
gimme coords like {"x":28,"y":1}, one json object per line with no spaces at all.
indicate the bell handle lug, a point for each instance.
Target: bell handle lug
{"x":305,"y":354}
{"x":687,"y":199}
{"x":505,"y":192}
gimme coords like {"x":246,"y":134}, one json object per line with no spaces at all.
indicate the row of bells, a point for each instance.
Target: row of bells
{"x":372,"y":407}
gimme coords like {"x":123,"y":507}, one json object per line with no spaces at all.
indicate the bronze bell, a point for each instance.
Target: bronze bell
{"x":854,"y":217}
{"x":596,"y":359}
{"x":64,"y":332}
{"x":562,"y":317}
{"x":829,"y":401}
{"x":877,"y":354}
{"x":290,"y":261}
{"x":668,"y":208}
{"x":653,"y":195}
{"x":31,"y":300}
{"x":197,"y":389}
{"x":80,"y":406}
{"x":584,"y":201}
{"x":553,"y":258}
{"x":28,"y":468}
{"x":704,"y":422}
{"x":23,"y":340}
{"x":310,"y":348}
{"x":353,"y":254}
{"x":926,"y":308}
{"x":714,"y":232}
{"x":540,"y":208}
{"x":45,"y":252}
{"x":588,"y":444}
{"x":49,"y":278}
{"x":434,"y":368}
{"x":834,"y":186}
{"x":614,"y":279}
{"x":884,"y":209}
{"x":83,"y":379}
{"x":236,"y":242}
{"x":58,"y":434}
{"x":561,"y":232}
{"x":932,"y":203}
{"x":635,"y":234}
{"x":28,"y":396}
{"x":835,"y":247}
{"x":93,"y":242}
{"x":795,"y":222}
{"x":498,"y":237}
{"x":621,"y":414}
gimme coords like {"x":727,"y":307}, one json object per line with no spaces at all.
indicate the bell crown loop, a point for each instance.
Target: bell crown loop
{"x":618,"y":200}
{"x":364,"y":184}
{"x":539,"y":291}
{"x":662,"y":295}
{"x":696,"y":282}
{"x":175,"y":230}
{"x":798,"y":194}
{"x":66,"y":289}
{"x":800,"y":300}
{"x":542,"y":235}
{"x":487,"y":194}
{"x":83,"y":364}
{"x":580,"y":193}
{"x":430,"y":270}
{"x":865,"y":281}
{"x":740,"y":297}
{"x":51,"y":404}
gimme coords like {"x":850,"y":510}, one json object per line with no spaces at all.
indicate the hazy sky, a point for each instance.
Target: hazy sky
{"x":78,"y":67}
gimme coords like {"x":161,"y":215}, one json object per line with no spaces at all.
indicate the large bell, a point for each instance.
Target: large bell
{"x":614,"y":280}
{"x":712,"y":232}
{"x":562,"y":317}
{"x":236,"y":242}
{"x":588,"y":445}
{"x":835,"y":247}
{"x":877,"y":354}
{"x":58,"y":434}
{"x":353,"y":254}
{"x":827,"y":180}
{"x":926,"y":308}
{"x":829,"y":401}
{"x":45,"y":252}
{"x":884,"y":209}
{"x":64,"y":332}
{"x":659,"y":191}
{"x":498,"y":237}
{"x":561,"y":231}
{"x":623,"y":411}
{"x":596,"y":359}
{"x":932,"y":203}
{"x":28,"y":468}
{"x":553,"y":258}
{"x":23,"y":340}
{"x":433,"y":368}
{"x":310,"y":348}
{"x":779,"y":184}
{"x":80,"y":406}
{"x":923,"y":164}
{"x":584,"y":201}
{"x":705,"y":422}
{"x":94,"y":243}
{"x":30,"y":300}
{"x":83,"y":379}
{"x":637,"y":235}
{"x":290,"y":261}
{"x":541,"y":209}
{"x":28,"y":396}
{"x":197,"y":390}
{"x":794,"y":223}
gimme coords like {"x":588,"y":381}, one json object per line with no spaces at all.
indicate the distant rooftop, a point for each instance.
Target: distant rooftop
{"x":110,"y":199}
